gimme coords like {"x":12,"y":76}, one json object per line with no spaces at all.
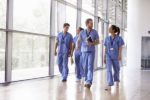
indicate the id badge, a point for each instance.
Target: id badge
{"x":111,"y":49}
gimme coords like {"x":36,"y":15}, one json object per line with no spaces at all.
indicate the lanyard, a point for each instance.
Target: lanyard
{"x":64,"y":36}
{"x":88,"y":33}
{"x":112,"y":40}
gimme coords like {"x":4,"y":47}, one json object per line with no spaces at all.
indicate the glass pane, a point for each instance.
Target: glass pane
{"x":71,"y":17}
{"x":2,"y":56}
{"x":111,"y":10}
{"x":60,"y":17}
{"x":32,"y":15}
{"x":2,"y":13}
{"x":74,"y":2}
{"x":84,"y":17}
{"x":68,"y":15}
{"x":119,"y":17}
{"x":88,"y":5}
{"x":100,"y":8}
{"x":125,"y":20}
{"x":30,"y":56}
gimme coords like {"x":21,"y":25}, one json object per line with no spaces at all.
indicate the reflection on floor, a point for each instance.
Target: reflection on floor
{"x":135,"y":85}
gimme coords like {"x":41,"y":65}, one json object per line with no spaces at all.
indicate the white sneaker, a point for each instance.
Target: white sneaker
{"x":83,"y":79}
{"x":117,"y":84}
{"x":78,"y":80}
{"x":108,"y":88}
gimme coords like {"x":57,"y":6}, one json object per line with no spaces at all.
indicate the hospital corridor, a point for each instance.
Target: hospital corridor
{"x":74,"y":50}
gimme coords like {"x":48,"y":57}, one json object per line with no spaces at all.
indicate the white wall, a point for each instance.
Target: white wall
{"x":138,"y":26}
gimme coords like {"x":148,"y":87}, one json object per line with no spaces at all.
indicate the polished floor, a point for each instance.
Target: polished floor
{"x":135,"y":85}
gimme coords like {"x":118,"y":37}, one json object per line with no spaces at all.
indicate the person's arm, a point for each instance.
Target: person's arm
{"x":120,"y":53}
{"x":121,"y":43}
{"x":72,"y":50}
{"x":78,"y":42}
{"x":56,"y":45}
{"x":73,"y":47}
{"x":70,"y":47}
{"x":96,"y":42}
{"x":105,"y":55}
{"x":105,"y":50}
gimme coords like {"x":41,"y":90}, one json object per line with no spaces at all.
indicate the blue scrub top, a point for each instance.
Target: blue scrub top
{"x":64,"y":42}
{"x":112,"y":46}
{"x":83,"y":35}
{"x":77,"y":51}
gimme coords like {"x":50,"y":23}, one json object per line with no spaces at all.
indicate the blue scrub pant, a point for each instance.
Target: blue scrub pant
{"x":78,"y":66}
{"x":62,"y":61}
{"x":112,"y":63}
{"x":88,"y":65}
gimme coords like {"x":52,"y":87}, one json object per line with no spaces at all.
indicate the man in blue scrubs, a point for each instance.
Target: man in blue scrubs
{"x":113,"y":48}
{"x":64,"y":43}
{"x":89,"y":38}
{"x":78,"y":58}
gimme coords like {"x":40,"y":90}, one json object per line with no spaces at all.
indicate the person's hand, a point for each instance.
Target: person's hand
{"x":72,"y":61}
{"x":78,"y":47}
{"x":90,"y":43}
{"x":69,"y":54}
{"x":120,"y":57}
{"x":55,"y":53}
{"x":105,"y":59}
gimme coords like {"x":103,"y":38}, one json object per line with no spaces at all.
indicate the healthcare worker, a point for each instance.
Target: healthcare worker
{"x":64,"y":43}
{"x":89,"y":38}
{"x":78,"y":60}
{"x":113,"y":48}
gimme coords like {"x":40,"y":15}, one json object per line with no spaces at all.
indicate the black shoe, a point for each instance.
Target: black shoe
{"x":87,"y":86}
{"x":64,"y":80}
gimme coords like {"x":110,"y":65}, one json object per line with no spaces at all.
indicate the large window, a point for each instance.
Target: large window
{"x":124,"y":20}
{"x":32,"y":16}
{"x":71,"y":17}
{"x":88,"y":5}
{"x":74,"y":2}
{"x":65,"y":14}
{"x":2,"y":13}
{"x":2,"y":55}
{"x":119,"y":17}
{"x":30,"y":56}
{"x":111,"y":11}
{"x":101,"y":8}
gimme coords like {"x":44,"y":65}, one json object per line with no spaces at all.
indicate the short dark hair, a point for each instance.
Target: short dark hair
{"x":88,"y":20}
{"x":80,"y":28}
{"x":66,"y":24}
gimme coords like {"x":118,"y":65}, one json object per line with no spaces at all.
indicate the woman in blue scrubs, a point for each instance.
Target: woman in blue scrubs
{"x":64,"y":43}
{"x":113,"y":49}
{"x":77,"y":54}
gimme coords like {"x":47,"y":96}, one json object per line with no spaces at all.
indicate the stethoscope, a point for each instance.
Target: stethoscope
{"x":63,"y":37}
{"x":88,"y":33}
{"x":112,"y":41}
